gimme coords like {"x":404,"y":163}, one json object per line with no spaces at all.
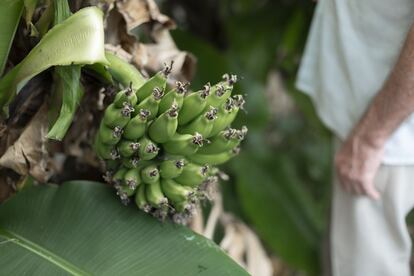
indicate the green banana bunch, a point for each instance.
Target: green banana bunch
{"x":155,"y":147}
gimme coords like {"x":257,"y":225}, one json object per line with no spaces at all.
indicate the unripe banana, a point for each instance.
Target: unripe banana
{"x":193,"y":105}
{"x":131,"y":162}
{"x":174,"y":191}
{"x":150,"y":174}
{"x":184,"y":144}
{"x":164,"y":127}
{"x":127,"y":148}
{"x":202,"y":124}
{"x":118,"y":177}
{"x":176,"y":94}
{"x":135,"y":128}
{"x":192,"y":175}
{"x":111,"y":165}
{"x":148,"y":150}
{"x":105,"y":151}
{"x":237,"y":138}
{"x":220,"y":92}
{"x":182,"y":206}
{"x":154,"y":195}
{"x":109,"y":136}
{"x":141,"y":199}
{"x":126,"y":96}
{"x":213,"y":159}
{"x":151,"y":103}
{"x":171,"y":168}
{"x":117,"y":117}
{"x":224,"y":141}
{"x":125,"y":191}
{"x":227,"y":113}
{"x":158,"y":80}
{"x":132,"y":178}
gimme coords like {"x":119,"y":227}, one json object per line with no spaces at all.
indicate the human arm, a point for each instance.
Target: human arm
{"x":360,"y":156}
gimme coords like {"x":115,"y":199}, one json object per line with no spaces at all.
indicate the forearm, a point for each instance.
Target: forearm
{"x":394,"y":103}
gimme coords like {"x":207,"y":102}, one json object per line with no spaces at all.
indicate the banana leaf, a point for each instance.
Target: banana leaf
{"x":81,"y":228}
{"x":77,"y":40}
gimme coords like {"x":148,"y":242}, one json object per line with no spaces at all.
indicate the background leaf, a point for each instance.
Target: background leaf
{"x":11,"y":11}
{"x":82,"y":228}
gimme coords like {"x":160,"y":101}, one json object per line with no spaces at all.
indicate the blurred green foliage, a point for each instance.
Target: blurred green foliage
{"x":280,"y":183}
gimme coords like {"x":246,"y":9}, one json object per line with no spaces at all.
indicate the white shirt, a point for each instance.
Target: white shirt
{"x":352,"y":46}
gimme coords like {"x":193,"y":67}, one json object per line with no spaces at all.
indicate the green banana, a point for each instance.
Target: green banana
{"x":105,"y":151}
{"x":132,"y":178}
{"x":131,"y":162}
{"x":182,"y":206}
{"x":214,"y":159}
{"x":141,"y":199}
{"x":171,"y":168}
{"x":174,"y":191}
{"x":126,"y":96}
{"x":151,"y":103}
{"x":158,"y":80}
{"x":154,"y":195}
{"x":111,"y":165}
{"x":219,"y":143}
{"x":125,"y":191}
{"x":184,"y":144}
{"x":135,"y":128}
{"x":164,"y":127}
{"x":227,"y":113}
{"x":117,"y":117}
{"x":108,"y":135}
{"x":127,"y":148}
{"x":193,"y":105}
{"x":176,"y":94}
{"x":224,"y":141}
{"x":118,"y":177}
{"x":193,"y":175}
{"x":221,"y":91}
{"x":148,"y":150}
{"x":202,"y":124}
{"x":150,"y":174}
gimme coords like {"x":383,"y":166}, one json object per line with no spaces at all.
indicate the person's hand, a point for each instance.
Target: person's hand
{"x":356,"y":164}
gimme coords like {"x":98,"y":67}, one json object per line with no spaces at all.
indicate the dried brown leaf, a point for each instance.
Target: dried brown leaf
{"x":138,"y":12}
{"x":28,"y":154}
{"x":152,"y":57}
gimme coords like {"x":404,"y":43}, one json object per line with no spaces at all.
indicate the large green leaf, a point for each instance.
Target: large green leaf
{"x":11,"y":10}
{"x":81,"y":229}
{"x":77,"y":40}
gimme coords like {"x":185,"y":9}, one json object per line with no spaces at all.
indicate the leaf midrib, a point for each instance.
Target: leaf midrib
{"x":41,"y":252}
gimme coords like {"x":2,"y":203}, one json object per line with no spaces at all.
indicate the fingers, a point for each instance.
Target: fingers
{"x":360,"y":189}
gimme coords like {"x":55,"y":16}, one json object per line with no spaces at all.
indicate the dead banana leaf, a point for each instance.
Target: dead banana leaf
{"x":138,"y":12}
{"x":140,"y":17}
{"x":28,"y":155}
